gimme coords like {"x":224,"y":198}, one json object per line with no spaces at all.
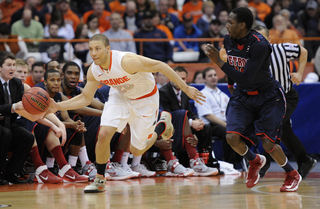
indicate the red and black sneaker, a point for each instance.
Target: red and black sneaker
{"x":292,"y":181}
{"x":254,"y":168}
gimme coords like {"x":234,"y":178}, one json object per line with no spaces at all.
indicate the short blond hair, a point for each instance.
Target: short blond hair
{"x":207,"y":4}
{"x":22,"y":63}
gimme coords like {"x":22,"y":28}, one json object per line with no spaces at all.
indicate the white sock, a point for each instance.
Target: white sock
{"x":83,"y":156}
{"x":50,"y":162}
{"x":136,"y":161}
{"x":72,"y":160}
{"x":124,"y":158}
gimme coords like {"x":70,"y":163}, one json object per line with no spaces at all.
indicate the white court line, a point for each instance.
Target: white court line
{"x":256,"y":189}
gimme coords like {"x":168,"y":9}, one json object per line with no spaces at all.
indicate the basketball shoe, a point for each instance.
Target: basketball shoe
{"x":292,"y":181}
{"x":44,"y":176}
{"x":253,"y":174}
{"x":141,"y":168}
{"x":306,"y":167}
{"x":69,"y":175}
{"x":89,"y":170}
{"x":98,"y":185}
{"x":134,"y":174}
{"x":200,"y":169}
{"x":176,"y":169}
{"x":115,"y":172}
{"x":166,"y":119}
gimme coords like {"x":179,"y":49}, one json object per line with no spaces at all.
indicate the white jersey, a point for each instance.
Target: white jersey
{"x":132,"y":86}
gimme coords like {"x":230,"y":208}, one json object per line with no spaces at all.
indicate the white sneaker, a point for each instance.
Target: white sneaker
{"x":89,"y":169}
{"x":98,"y":185}
{"x":166,"y":119}
{"x":141,"y":168}
{"x":176,"y":169}
{"x":115,"y":172}
{"x":200,"y":169}
{"x":126,"y":167}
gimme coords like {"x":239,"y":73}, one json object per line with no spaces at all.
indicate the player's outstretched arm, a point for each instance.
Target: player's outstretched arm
{"x":133,"y":63}
{"x":297,"y":77}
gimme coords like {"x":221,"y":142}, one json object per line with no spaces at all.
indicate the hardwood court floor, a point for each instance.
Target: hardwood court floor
{"x":194,"y":192}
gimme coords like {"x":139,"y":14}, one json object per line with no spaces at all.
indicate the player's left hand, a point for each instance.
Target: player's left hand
{"x":296,"y":78}
{"x":19,"y":109}
{"x":213,"y":54}
{"x":195,"y":94}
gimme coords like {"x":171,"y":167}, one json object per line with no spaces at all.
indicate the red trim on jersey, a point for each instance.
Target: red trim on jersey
{"x":148,"y":95}
{"x":265,"y":136}
{"x":234,"y":132}
{"x":230,"y":86}
{"x":256,"y":37}
{"x":252,"y":92}
{"x":110,"y":64}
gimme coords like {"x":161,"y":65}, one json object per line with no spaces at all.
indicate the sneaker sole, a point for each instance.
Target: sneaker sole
{"x":92,"y":191}
{"x":211,"y":173}
{"x":186,"y":174}
{"x":120,"y":178}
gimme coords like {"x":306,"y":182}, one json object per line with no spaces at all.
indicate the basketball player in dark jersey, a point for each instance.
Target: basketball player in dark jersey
{"x":258,"y":99}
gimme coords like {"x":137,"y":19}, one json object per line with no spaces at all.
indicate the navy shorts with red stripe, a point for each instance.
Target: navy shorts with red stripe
{"x":262,"y":113}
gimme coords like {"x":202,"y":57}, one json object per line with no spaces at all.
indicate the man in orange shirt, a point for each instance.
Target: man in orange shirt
{"x":8,"y":7}
{"x":262,"y":8}
{"x":194,"y":7}
{"x":36,"y":74}
{"x":98,"y":9}
{"x":280,"y":33}
{"x":68,"y":15}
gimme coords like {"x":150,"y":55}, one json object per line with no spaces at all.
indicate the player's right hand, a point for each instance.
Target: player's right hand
{"x":195,"y":94}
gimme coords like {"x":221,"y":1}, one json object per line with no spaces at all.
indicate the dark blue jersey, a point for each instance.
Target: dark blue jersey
{"x":57,"y":98}
{"x":248,"y":62}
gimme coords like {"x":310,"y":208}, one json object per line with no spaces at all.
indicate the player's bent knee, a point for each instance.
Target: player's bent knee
{"x":267,"y":145}
{"x":233,"y":139}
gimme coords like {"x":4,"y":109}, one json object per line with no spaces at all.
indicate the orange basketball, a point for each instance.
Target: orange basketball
{"x":36,"y":100}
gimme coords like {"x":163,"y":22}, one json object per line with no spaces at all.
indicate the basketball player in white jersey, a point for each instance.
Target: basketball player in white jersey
{"x":134,"y":99}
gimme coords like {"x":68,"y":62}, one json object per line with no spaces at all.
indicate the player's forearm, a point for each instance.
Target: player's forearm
{"x":54,"y":119}
{"x":173,"y":76}
{"x":88,"y":111}
{"x":74,"y":103}
{"x":45,"y":122}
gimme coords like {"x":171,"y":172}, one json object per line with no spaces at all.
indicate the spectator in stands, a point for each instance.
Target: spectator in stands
{"x":156,"y":50}
{"x":86,"y":5}
{"x":144,"y":5}
{"x":308,"y":18}
{"x":36,"y":74}
{"x":28,"y":28}
{"x":262,"y":8}
{"x":116,"y":32}
{"x":275,"y":9}
{"x":30,"y":4}
{"x":118,"y":6}
{"x":81,"y":49}
{"x":256,"y":22}
{"x":158,"y":24}
{"x":293,"y":6}
{"x":286,"y":14}
{"x":131,"y":18}
{"x":52,"y":50}
{"x":187,"y":30}
{"x":198,"y":78}
{"x":18,"y":47}
{"x":31,"y":60}
{"x":280,"y":33}
{"x":223,"y":18}
{"x":68,"y":15}
{"x":45,"y":9}
{"x":93,"y":25}
{"x":204,"y":21}
{"x":312,"y":45}
{"x":173,"y":8}
{"x":242,"y":3}
{"x":98,"y":8}
{"x":65,"y":29}
{"x":213,"y":32}
{"x":194,"y":8}
{"x":161,"y":79}
{"x":167,"y":19}
{"x":8,"y":8}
